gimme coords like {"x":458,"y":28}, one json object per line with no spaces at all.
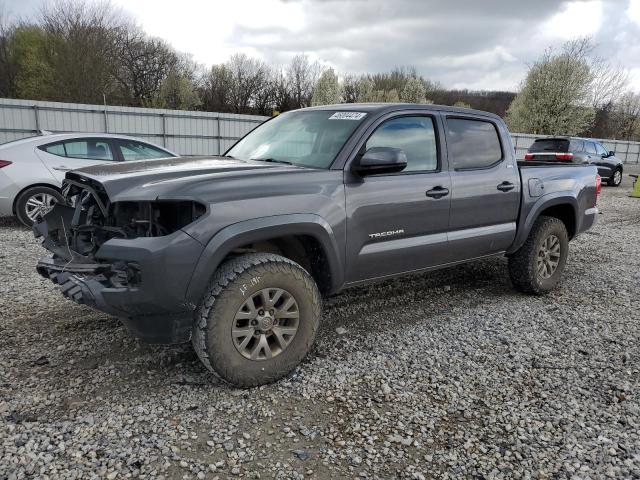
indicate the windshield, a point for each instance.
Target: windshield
{"x":310,"y":138}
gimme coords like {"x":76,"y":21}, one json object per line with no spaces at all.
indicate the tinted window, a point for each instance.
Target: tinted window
{"x":472,"y":143}
{"x":600,"y":149}
{"x":576,"y":146}
{"x":590,"y":147}
{"x":132,"y":150}
{"x":87,"y":148}
{"x":550,"y":145}
{"x":414,"y":135}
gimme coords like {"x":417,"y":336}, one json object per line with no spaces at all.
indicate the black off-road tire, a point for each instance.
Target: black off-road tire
{"x":613,"y":180}
{"x":23,"y":198}
{"x":523,"y":263}
{"x":232,"y":284}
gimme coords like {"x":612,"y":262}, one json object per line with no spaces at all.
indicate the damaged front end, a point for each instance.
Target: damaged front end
{"x":130,"y":259}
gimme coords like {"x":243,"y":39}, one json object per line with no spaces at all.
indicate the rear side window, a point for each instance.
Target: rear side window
{"x":473,"y":143}
{"x":87,"y":148}
{"x":132,"y":150}
{"x":550,"y":145}
{"x":415,"y":136}
{"x":590,"y":147}
{"x":576,"y":146}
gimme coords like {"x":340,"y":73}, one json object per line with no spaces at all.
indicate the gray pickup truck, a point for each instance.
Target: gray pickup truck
{"x":235,"y":252}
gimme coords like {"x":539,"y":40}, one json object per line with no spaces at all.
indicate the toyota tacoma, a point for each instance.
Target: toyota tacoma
{"x":234,"y":253}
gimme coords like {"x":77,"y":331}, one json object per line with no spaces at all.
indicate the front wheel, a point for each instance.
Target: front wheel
{"x":616,"y":179}
{"x":257,"y":320}
{"x":538,"y":265}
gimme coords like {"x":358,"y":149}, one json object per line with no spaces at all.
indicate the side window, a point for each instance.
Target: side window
{"x":600,"y":149}
{"x":576,"y":146}
{"x":472,"y":143}
{"x":132,"y":150}
{"x":590,"y":147}
{"x":416,"y":136}
{"x":87,"y":149}
{"x":55,"y":149}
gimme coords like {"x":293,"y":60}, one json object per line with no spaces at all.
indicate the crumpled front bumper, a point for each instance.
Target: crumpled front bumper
{"x":143,"y":281}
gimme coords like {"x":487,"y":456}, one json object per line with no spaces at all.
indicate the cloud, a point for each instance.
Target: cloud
{"x":484,"y":44}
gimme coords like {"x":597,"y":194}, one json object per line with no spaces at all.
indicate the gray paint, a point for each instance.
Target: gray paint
{"x":250,"y":201}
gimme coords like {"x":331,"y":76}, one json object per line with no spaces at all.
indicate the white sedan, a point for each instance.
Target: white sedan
{"x":32,"y":169}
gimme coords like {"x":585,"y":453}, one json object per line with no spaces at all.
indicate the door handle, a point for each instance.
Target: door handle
{"x":437,"y":192}
{"x":62,"y":168}
{"x":506,"y":186}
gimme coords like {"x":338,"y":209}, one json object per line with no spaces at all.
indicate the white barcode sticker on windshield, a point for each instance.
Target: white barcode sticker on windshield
{"x":347,"y":116}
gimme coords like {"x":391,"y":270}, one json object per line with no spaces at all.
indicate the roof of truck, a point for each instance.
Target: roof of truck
{"x":389,"y":107}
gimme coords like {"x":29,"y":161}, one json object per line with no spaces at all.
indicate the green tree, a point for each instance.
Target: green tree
{"x":31,"y":50}
{"x":177,"y":92}
{"x":555,"y":97}
{"x":327,"y":90}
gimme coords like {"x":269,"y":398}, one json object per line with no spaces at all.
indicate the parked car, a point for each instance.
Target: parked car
{"x":578,"y":150}
{"x":234,"y":253}
{"x":32,"y":169}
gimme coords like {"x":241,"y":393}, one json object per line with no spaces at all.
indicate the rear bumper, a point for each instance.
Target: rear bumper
{"x":142,"y":281}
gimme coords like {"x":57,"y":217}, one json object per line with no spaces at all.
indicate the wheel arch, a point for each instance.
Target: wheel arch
{"x":40,"y":184}
{"x":304,"y":238}
{"x":561,"y":206}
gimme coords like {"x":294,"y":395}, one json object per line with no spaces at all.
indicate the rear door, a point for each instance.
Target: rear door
{"x":398,"y":222}
{"x":63,"y":156}
{"x":485,"y":187}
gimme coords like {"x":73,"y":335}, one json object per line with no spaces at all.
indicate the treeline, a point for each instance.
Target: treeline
{"x":83,"y":51}
{"x":90,"y":52}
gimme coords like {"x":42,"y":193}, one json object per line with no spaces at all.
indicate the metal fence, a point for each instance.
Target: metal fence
{"x":184,"y":132}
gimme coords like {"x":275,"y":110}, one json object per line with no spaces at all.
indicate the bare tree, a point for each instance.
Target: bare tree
{"x":302,"y":76}
{"x":143,"y":65}
{"x":626,"y":116}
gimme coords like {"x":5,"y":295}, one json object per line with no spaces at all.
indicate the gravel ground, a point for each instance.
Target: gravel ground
{"x":446,"y":375}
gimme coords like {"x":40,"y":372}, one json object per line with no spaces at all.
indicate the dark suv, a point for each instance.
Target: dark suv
{"x":578,"y":150}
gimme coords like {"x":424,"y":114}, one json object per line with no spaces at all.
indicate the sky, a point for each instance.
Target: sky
{"x":475,"y":44}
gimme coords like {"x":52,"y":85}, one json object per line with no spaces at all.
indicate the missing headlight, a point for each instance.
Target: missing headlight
{"x":153,"y":219}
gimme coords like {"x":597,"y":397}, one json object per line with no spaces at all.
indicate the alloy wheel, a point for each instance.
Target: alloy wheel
{"x":39,"y":205}
{"x":548,"y":257}
{"x":265,"y":324}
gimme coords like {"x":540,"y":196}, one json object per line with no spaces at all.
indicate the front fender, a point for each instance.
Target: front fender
{"x":261,"y":229}
{"x":542,"y":203}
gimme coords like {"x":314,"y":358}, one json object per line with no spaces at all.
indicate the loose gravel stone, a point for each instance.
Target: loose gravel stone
{"x":447,"y":375}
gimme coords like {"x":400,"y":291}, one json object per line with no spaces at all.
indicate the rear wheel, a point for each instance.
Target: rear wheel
{"x":616,"y":179}
{"x":36,"y":202}
{"x":257,"y":320}
{"x":538,"y":265}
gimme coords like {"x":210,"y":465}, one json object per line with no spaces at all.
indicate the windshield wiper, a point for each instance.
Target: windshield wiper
{"x":272,"y":160}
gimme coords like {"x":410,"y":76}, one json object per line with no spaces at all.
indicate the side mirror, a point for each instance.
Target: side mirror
{"x":380,"y":160}
{"x":612,"y":153}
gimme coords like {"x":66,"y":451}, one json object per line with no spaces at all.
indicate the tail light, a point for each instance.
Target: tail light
{"x":4,"y":163}
{"x":528,"y":156}
{"x":565,"y":157}
{"x":598,"y":187}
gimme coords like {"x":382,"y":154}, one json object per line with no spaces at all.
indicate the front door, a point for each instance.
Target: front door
{"x":398,"y":222}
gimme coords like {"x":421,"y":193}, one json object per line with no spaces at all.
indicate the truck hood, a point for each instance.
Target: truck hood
{"x":151,"y":179}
